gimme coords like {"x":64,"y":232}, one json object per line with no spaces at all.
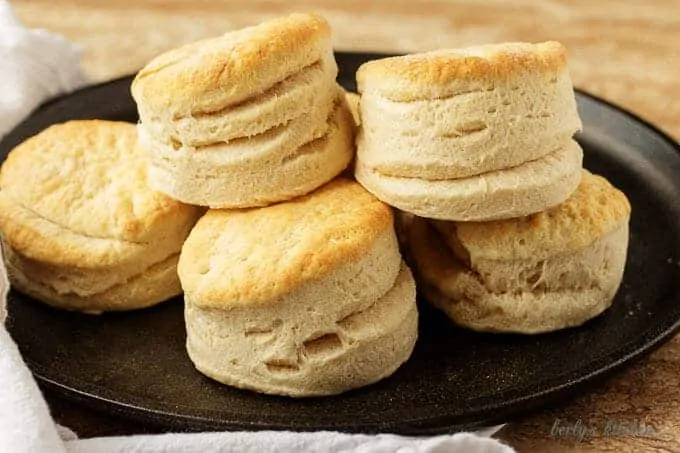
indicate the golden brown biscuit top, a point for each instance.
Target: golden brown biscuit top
{"x":443,"y":73}
{"x":595,"y":209}
{"x":207,"y":76}
{"x":89,"y":177}
{"x":253,"y":256}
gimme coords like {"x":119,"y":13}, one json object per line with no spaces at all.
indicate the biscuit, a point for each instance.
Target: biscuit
{"x":458,"y":113}
{"x":86,"y":220}
{"x":301,"y":298}
{"x":533,"y":274}
{"x":246,"y":119}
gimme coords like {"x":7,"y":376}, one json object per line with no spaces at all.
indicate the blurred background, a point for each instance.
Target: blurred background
{"x":627,"y":51}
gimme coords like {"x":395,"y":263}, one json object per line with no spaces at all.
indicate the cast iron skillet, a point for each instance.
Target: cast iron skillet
{"x":134,"y":364}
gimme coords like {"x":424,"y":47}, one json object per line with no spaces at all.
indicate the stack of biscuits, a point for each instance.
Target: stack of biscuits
{"x":293,"y":284}
{"x":293,"y":279}
{"x":506,"y":231}
{"x":246,"y":119}
{"x":309,"y":297}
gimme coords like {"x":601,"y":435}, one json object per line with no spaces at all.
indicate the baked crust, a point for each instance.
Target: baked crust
{"x":443,"y":73}
{"x":211,"y":74}
{"x":254,"y":256}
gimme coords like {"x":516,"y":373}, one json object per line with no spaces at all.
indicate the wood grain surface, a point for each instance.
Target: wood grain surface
{"x":626,"y":51}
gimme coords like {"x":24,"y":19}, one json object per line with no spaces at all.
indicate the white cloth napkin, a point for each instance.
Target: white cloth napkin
{"x":36,"y":65}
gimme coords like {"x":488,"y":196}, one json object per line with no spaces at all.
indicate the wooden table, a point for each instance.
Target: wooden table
{"x":626,"y":51}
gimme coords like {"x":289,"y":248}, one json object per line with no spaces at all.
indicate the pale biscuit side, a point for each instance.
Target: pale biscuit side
{"x":470,"y":133}
{"x":209,"y":177}
{"x":521,"y":295}
{"x":306,"y":347}
{"x":522,"y":190}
